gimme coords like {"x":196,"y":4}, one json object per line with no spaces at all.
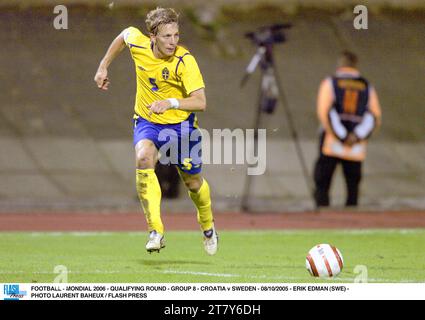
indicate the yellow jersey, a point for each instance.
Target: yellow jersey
{"x":159,"y":79}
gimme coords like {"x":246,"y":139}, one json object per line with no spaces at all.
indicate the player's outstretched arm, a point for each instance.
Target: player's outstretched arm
{"x":101,"y":77}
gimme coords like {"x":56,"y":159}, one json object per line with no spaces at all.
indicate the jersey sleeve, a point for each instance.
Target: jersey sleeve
{"x":132,"y":36}
{"x":364,"y":129}
{"x":191,"y":75}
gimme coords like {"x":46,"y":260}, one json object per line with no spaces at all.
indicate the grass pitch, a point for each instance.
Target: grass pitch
{"x":243,"y":257}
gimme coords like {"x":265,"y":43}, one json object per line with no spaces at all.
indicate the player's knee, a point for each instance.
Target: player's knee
{"x":145,"y":163}
{"x":193,"y":183}
{"x":146,"y":155}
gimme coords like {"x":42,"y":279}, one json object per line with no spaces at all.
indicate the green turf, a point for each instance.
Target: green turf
{"x":244,"y":256}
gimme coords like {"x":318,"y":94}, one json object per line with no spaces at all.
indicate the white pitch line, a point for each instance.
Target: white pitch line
{"x":224,"y":275}
{"x":195,"y":273}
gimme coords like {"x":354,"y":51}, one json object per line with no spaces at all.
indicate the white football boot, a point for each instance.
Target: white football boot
{"x":156,"y":242}
{"x":211,"y":241}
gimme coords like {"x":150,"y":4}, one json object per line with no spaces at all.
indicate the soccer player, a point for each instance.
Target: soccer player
{"x":348,"y":109}
{"x":170,"y":88}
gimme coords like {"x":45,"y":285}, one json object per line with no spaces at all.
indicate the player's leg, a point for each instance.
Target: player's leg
{"x":147,"y":184}
{"x":149,"y":192}
{"x":189,"y":167}
{"x":323,"y":172}
{"x":199,"y":192}
{"x":352,"y":172}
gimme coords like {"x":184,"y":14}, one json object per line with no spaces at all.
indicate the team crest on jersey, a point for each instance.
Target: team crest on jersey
{"x":165,"y":73}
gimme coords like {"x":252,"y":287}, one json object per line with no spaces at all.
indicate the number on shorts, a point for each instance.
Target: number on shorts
{"x":187,"y":163}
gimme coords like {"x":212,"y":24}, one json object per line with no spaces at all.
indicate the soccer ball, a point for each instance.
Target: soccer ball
{"x":324,"y":260}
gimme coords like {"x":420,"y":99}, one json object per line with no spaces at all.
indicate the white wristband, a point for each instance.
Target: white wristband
{"x":175,"y":104}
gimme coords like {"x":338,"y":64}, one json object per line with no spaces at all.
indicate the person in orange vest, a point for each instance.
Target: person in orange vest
{"x":349,"y":111}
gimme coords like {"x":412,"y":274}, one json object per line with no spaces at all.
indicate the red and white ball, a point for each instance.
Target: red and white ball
{"x":324,"y":260}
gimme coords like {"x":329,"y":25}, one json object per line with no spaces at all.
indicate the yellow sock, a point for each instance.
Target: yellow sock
{"x":202,"y":201}
{"x":149,"y":192}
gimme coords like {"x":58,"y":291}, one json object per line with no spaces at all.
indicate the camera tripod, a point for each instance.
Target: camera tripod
{"x":270,"y":93}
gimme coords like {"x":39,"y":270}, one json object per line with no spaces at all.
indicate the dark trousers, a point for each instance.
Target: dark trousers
{"x":323,"y":172}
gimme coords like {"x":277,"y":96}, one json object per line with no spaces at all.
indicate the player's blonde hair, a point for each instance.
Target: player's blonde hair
{"x":160,"y":16}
